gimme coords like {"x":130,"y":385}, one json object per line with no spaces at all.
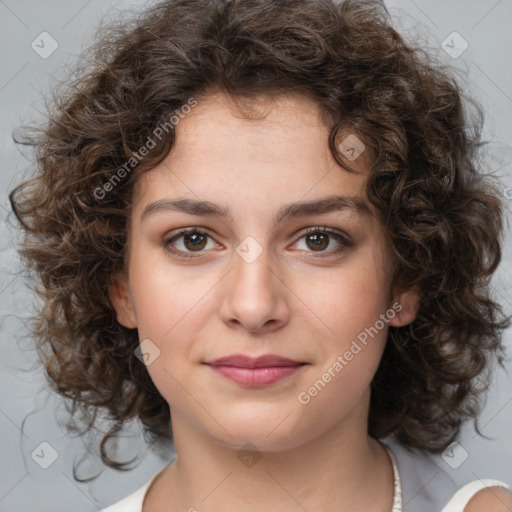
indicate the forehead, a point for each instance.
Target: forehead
{"x":274,"y":148}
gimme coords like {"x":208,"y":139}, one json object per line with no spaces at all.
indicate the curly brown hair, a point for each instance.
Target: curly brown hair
{"x":441,"y":211}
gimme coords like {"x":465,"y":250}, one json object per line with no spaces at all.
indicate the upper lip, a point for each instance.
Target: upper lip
{"x":266,"y":361}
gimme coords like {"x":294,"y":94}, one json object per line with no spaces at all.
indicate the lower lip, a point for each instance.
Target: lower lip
{"x":256,"y":377}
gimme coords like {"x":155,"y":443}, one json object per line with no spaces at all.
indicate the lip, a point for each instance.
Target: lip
{"x":255,"y":372}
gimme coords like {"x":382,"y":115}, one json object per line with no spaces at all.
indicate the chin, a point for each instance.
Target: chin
{"x":265,"y":433}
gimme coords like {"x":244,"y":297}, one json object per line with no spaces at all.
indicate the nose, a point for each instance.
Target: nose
{"x":254,"y":295}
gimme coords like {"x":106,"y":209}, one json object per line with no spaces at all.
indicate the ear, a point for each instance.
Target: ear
{"x":120,"y":296}
{"x":406,"y":303}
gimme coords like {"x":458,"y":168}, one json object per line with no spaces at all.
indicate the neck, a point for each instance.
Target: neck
{"x":342,"y":470}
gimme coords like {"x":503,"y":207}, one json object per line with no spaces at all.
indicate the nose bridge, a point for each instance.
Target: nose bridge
{"x":254,"y":296}
{"x":252,"y":269}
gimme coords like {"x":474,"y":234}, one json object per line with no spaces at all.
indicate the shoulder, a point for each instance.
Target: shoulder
{"x":490,"y":499}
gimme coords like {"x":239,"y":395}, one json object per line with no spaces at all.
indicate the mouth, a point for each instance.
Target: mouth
{"x":256,"y":372}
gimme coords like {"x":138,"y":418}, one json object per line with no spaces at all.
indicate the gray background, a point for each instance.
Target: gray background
{"x":29,"y":414}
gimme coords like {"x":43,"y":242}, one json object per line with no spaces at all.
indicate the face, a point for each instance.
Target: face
{"x":263,"y":275}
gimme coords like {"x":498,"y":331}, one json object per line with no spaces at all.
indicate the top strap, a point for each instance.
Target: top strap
{"x":462,"y":497}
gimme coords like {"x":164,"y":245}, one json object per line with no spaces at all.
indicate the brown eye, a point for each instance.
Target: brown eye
{"x":194,"y":241}
{"x":317,"y":241}
{"x":188,"y":241}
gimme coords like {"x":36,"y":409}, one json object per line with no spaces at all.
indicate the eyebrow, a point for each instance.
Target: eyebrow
{"x":291,"y":210}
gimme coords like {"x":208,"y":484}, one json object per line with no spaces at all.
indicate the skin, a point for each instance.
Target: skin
{"x":492,"y":499}
{"x":293,"y":300}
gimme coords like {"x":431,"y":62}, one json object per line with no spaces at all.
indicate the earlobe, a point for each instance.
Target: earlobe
{"x":121,"y":299}
{"x":406,"y":304}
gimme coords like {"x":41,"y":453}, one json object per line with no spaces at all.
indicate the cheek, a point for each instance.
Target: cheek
{"x":168,"y":298}
{"x":171,"y":306}
{"x":350,"y":301}
{"x":353,"y":306}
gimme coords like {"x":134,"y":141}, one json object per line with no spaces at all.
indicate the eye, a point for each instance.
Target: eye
{"x":190,"y":240}
{"x":318,"y":239}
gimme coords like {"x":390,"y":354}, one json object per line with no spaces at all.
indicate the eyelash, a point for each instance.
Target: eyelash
{"x":343,"y":241}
